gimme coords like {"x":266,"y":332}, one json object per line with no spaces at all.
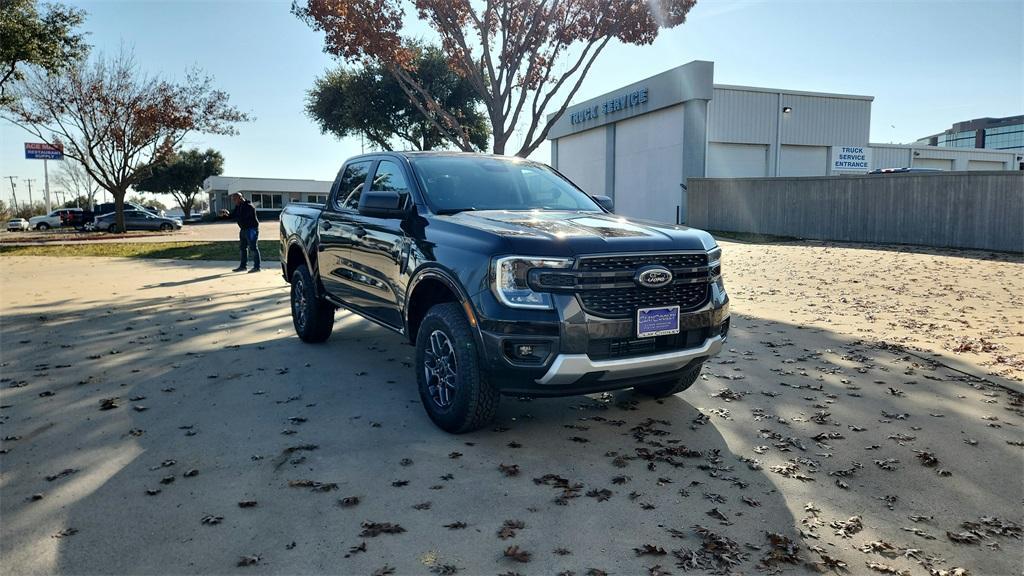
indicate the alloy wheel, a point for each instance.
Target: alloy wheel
{"x":441,"y":369}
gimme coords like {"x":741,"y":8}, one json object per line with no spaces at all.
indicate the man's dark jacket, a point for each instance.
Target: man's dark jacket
{"x":245,"y":215}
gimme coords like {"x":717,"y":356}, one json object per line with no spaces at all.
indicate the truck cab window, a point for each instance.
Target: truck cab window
{"x":351,"y":185}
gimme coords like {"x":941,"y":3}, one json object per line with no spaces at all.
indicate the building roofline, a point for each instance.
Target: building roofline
{"x":794,"y":92}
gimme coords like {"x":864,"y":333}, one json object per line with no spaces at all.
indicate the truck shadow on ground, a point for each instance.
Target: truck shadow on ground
{"x":613,"y":482}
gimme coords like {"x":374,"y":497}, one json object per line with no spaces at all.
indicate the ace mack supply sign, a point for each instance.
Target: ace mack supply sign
{"x":851,"y":158}
{"x":37,"y":151}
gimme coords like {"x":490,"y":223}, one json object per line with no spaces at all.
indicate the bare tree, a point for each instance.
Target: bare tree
{"x":116,"y":121}
{"x":74,"y":178}
{"x":525,"y":58}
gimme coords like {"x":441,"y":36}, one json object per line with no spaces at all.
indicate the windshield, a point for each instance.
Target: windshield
{"x":456,"y":183}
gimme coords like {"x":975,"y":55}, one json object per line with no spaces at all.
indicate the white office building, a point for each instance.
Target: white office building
{"x":268,"y":195}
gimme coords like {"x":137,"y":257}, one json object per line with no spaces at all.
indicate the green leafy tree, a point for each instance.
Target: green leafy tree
{"x":182,"y":176}
{"x":28,"y":37}
{"x":368,"y":101}
{"x":77,"y":202}
{"x":147,"y":202}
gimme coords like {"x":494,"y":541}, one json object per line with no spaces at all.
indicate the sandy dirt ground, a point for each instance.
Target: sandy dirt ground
{"x":161,"y":417}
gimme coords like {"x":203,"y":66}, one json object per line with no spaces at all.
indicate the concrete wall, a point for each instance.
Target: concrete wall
{"x":982,"y":210}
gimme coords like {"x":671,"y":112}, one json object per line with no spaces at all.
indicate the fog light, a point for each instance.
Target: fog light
{"x":527,"y":352}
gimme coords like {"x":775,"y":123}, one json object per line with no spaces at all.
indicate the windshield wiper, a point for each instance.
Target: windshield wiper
{"x":450,"y":211}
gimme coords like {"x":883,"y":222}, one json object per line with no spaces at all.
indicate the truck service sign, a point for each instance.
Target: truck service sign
{"x":39,"y":151}
{"x":851,"y":159}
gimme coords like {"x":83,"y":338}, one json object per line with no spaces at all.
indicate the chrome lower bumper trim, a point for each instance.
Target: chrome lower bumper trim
{"x":568,"y":368}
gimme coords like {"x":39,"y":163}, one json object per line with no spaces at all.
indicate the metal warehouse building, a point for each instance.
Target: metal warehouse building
{"x":641,"y":143}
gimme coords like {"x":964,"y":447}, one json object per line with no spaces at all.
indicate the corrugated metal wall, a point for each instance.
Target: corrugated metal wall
{"x":742,"y":117}
{"x":958,"y":209}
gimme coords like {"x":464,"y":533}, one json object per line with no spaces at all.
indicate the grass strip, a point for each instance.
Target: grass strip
{"x":226,"y":250}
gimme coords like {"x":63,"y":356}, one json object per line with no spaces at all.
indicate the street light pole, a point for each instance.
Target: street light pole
{"x":46,"y":186}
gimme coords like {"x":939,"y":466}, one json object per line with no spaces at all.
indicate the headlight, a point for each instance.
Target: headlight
{"x":715,"y":255}
{"x":510,"y":285}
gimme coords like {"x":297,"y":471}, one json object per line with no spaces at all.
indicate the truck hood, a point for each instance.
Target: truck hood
{"x":551,"y":232}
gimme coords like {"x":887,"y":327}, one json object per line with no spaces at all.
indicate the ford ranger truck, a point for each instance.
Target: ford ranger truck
{"x":507,"y":278}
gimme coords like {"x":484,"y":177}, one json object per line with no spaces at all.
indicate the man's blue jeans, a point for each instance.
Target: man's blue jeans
{"x":248,"y":240}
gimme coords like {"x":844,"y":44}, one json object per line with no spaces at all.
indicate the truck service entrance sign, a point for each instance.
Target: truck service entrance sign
{"x":39,"y":151}
{"x":851,"y":159}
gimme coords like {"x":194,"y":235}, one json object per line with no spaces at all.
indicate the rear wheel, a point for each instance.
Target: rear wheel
{"x":312,"y":316}
{"x":457,"y":396}
{"x":674,"y":386}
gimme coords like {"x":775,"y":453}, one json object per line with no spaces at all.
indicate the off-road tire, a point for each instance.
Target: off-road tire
{"x":674,"y":386}
{"x":312,"y":316}
{"x":475,"y":399}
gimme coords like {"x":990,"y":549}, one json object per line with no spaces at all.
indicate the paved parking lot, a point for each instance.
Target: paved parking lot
{"x":161,"y":417}
{"x":189,"y":233}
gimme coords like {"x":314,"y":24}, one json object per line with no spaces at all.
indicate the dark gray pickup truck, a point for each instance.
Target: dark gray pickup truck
{"x":507,"y":278}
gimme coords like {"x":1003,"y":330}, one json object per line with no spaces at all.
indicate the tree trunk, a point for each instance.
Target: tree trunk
{"x":119,"y":209}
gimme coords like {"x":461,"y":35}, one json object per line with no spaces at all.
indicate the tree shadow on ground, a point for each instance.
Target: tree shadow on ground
{"x":227,"y":390}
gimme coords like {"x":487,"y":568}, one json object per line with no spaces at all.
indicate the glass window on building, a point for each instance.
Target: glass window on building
{"x":267,"y":201}
{"x":964,"y":139}
{"x":1005,"y":137}
{"x":317,"y":198}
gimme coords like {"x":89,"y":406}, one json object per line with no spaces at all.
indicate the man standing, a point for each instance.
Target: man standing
{"x":244,"y":213}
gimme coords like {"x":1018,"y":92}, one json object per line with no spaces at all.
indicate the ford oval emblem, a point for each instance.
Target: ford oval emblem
{"x":654,"y":277}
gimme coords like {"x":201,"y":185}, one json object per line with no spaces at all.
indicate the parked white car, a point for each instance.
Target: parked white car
{"x":17,"y":225}
{"x":52,"y":220}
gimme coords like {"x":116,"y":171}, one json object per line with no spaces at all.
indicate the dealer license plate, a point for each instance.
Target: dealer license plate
{"x":657,"y":321}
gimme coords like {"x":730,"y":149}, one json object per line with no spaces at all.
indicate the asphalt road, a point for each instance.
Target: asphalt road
{"x":823,"y":408}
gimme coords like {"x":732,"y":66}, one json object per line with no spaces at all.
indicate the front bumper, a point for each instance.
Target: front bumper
{"x":582,"y":353}
{"x":567,"y":369}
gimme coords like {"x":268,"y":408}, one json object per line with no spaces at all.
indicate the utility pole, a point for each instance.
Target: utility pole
{"x":14,"y":194}
{"x":29,"y":181}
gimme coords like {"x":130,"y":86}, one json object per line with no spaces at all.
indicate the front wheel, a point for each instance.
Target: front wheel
{"x":43,"y":226}
{"x":457,"y":396}
{"x":165,"y":227}
{"x":673,"y":386}
{"x":312,"y":316}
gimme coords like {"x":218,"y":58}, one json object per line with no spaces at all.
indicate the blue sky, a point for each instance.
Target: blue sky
{"x":928,"y":64}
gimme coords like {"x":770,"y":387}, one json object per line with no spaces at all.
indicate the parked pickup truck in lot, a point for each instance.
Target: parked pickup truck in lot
{"x":507,"y":278}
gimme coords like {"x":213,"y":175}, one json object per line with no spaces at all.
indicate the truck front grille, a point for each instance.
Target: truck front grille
{"x":605,"y":285}
{"x":623,"y":302}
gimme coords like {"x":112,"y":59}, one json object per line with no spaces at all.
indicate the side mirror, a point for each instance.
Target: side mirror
{"x":605,"y":202}
{"x":388,"y":204}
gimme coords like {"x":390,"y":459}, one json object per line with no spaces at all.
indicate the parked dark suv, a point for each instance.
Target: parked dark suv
{"x":507,"y":278}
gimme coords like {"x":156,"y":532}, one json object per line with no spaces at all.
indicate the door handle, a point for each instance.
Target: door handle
{"x":360,"y":232}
